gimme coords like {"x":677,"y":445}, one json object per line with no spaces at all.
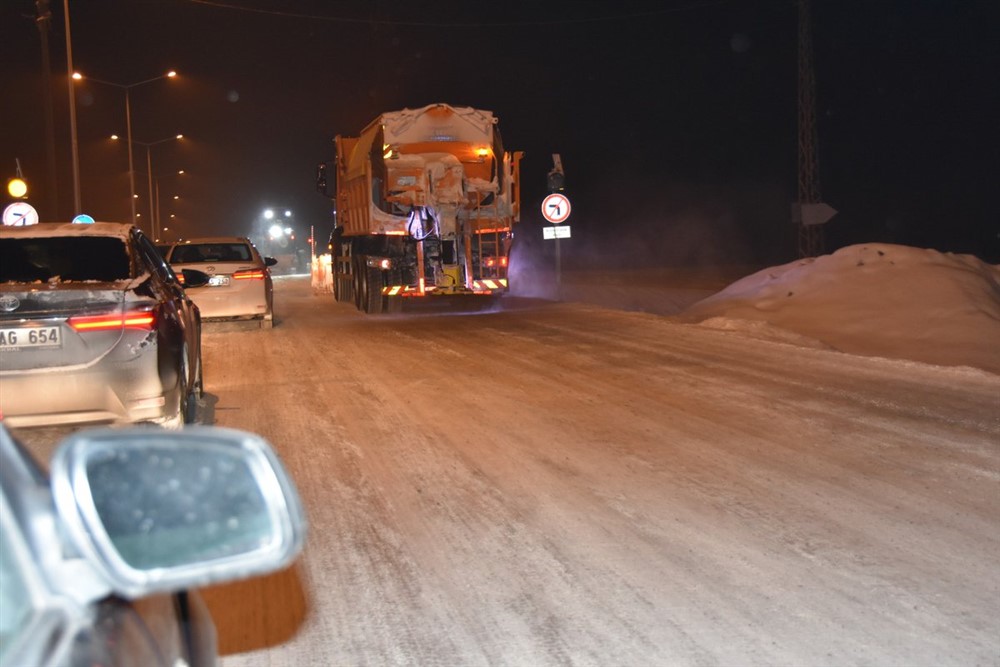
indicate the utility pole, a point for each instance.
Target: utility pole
{"x":805,"y":211}
{"x":43,"y":21}
{"x":77,"y":207}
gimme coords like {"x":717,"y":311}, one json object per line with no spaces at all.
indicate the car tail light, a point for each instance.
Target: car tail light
{"x":252,"y":274}
{"x":136,"y":319}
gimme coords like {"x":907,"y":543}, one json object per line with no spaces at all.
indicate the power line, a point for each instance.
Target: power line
{"x":695,"y":5}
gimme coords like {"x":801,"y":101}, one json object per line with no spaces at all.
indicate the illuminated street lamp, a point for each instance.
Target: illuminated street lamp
{"x":128,"y":121}
{"x":153,"y":217}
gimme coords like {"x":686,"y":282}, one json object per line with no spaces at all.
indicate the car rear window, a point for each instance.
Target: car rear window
{"x":210,"y":252}
{"x":76,"y":258}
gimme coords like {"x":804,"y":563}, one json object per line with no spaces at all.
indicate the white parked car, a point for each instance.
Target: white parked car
{"x":239,"y":286}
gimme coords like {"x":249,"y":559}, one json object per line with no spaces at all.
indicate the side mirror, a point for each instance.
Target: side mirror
{"x":156,"y":510}
{"x":270,"y":261}
{"x":194,"y":278}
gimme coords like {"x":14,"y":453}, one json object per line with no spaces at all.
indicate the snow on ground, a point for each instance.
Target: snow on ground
{"x":874,"y":300}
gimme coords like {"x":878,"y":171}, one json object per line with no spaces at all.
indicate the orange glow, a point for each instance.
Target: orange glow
{"x":133,"y":320}
{"x":252,"y":274}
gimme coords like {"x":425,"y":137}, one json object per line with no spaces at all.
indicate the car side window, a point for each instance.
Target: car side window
{"x":153,"y":259}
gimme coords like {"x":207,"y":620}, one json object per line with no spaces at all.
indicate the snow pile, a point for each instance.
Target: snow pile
{"x":873,"y":299}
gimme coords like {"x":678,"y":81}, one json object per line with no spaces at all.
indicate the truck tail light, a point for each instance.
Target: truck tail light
{"x":251,"y":274}
{"x":135,"y":319}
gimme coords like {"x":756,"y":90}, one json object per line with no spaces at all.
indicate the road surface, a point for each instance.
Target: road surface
{"x":568,"y":484}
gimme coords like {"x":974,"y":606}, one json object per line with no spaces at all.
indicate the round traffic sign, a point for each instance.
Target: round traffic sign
{"x":556,"y":208}
{"x":19,"y":214}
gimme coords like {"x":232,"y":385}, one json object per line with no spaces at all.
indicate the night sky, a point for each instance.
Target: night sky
{"x":676,"y":120}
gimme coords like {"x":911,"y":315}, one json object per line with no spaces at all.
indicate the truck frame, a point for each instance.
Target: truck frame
{"x":425,"y":204}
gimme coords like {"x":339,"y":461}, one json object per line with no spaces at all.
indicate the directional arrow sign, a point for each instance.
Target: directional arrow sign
{"x":20,"y":214}
{"x":817,"y":214}
{"x":555,"y":208}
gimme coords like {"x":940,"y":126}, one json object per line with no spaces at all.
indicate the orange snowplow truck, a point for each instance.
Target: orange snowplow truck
{"x":425,"y":203}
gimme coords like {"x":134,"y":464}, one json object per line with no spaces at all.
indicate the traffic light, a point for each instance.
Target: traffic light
{"x":556,"y":177}
{"x":17,"y":188}
{"x":557,"y":181}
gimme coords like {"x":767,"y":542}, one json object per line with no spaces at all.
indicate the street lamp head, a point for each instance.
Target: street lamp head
{"x":76,"y":76}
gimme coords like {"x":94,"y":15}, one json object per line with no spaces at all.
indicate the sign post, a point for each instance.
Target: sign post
{"x":556,"y":209}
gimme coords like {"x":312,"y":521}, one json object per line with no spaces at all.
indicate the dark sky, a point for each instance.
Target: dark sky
{"x":676,"y":120}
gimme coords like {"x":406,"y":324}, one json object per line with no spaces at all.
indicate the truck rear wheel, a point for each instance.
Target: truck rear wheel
{"x":357,"y":282}
{"x":372,"y":290}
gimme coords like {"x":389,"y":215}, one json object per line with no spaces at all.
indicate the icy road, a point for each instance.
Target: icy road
{"x":566,"y":484}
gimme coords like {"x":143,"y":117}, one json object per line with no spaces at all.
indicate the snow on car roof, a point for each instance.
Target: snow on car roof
{"x":213,"y":239}
{"x":53,"y":229}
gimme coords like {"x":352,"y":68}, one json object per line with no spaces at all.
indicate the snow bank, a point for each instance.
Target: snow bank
{"x":873,"y":299}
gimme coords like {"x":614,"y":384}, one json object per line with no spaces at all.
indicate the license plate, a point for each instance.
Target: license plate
{"x":218,"y":281}
{"x":15,"y":339}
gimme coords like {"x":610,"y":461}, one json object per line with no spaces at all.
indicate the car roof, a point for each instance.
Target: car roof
{"x":213,"y":239}
{"x":42,"y":229}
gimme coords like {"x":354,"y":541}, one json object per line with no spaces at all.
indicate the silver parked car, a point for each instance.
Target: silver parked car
{"x":239,"y":286}
{"x":94,"y":327}
{"x":99,"y":559}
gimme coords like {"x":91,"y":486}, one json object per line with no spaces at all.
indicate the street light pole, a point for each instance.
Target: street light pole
{"x":77,"y":206}
{"x":149,"y":174}
{"x":159,"y":228}
{"x":131,"y":170}
{"x":128,"y":122}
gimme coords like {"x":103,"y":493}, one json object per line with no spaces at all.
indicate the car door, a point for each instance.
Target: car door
{"x":177,"y":306}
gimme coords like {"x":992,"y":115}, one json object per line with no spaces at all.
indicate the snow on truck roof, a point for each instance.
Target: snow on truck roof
{"x":438,"y":119}
{"x":397,"y":123}
{"x":433,"y":123}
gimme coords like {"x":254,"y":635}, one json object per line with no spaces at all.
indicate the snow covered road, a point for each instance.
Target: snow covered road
{"x":566,"y":484}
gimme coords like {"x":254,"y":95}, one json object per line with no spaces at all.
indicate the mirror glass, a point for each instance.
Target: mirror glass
{"x":175,"y":504}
